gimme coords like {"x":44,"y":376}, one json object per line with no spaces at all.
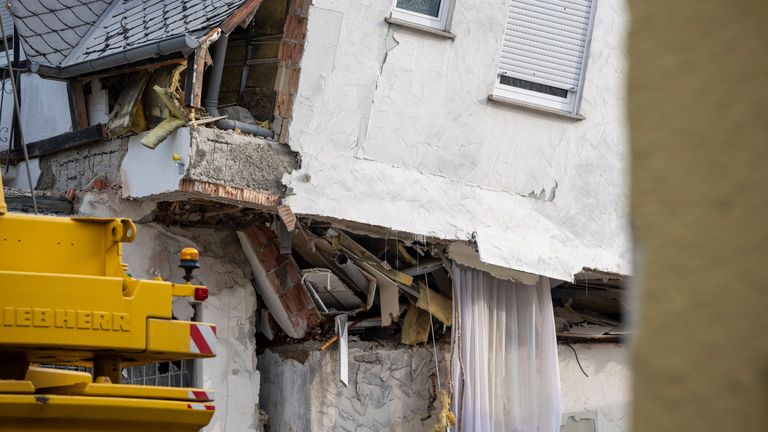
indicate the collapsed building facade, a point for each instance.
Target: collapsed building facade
{"x":395,"y":201}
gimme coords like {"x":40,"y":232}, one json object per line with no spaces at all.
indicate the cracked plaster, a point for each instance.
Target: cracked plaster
{"x":231,"y":306}
{"x":403,"y":136}
{"x":389,"y":388}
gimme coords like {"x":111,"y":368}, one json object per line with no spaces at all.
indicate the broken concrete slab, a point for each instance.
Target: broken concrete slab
{"x":190,"y":163}
{"x":76,"y":168}
{"x":244,"y":161}
{"x":466,"y":255}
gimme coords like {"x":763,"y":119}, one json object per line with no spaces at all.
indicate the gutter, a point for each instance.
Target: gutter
{"x":184,"y":44}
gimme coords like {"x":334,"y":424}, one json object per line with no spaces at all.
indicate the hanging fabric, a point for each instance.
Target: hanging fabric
{"x":505,"y":368}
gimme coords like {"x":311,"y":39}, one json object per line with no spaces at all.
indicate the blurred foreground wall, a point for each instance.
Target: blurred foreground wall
{"x":699,"y":134}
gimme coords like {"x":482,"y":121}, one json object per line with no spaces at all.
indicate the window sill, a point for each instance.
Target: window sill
{"x":532,"y":107}
{"x":407,"y":24}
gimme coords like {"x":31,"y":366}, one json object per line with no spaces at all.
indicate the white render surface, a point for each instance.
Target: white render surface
{"x":606,"y":393}
{"x":146,"y":172}
{"x":17,"y":175}
{"x":389,"y":388}
{"x":395,"y":129}
{"x":231,"y":306}
{"x":45,"y":108}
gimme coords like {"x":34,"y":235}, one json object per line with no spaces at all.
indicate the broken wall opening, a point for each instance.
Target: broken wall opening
{"x":251,"y":64}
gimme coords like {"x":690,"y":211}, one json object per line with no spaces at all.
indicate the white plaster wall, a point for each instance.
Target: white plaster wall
{"x":231,"y":306}
{"x":6,"y":114}
{"x":146,"y":172}
{"x":605,"y":392}
{"x":388,"y":391}
{"x":45,"y":108}
{"x":16,"y":176}
{"x":395,"y":129}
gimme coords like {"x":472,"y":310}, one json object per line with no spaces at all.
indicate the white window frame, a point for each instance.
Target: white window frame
{"x":440,"y":22}
{"x":570,"y":104}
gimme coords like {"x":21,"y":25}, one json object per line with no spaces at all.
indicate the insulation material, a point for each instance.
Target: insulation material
{"x":505,"y":327}
{"x":436,"y":304}
{"x":122,"y":119}
{"x":165,"y":105}
{"x":279,"y":281}
{"x":446,"y":417}
{"x":161,"y":132}
{"x":415,"y":326}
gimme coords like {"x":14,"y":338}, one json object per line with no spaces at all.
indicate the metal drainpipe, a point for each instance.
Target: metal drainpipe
{"x":211,"y":103}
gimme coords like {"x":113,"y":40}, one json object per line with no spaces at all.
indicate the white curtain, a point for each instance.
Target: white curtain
{"x":505,"y":369}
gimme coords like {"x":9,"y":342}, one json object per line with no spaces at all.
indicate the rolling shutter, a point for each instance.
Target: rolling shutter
{"x":545,"y":41}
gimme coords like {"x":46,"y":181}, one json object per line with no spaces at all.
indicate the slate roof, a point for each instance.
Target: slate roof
{"x":62,"y":33}
{"x":51,"y":29}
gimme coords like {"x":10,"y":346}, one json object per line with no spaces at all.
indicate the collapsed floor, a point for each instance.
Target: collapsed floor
{"x":391,"y":379}
{"x":382,"y":373}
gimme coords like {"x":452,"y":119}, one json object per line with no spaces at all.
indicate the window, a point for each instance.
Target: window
{"x":544,"y":53}
{"x":179,"y":373}
{"x":430,"y":13}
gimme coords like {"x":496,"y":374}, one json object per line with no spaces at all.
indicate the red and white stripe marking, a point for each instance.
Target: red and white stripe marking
{"x":202,"y":339}
{"x":201,"y":395}
{"x":201,"y":407}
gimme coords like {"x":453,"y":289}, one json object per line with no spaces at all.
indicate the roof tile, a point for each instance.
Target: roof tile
{"x":32,"y":7}
{"x":51,"y":21}
{"x":53,"y":30}
{"x":84,"y":13}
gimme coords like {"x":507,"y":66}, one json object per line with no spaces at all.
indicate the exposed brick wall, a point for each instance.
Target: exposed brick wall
{"x":284,"y":277}
{"x":289,"y":69}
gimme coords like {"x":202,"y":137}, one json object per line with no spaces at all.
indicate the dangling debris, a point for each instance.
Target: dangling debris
{"x":279,"y":281}
{"x":335,"y":296}
{"x":415,"y":326}
{"x":436,"y":304}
